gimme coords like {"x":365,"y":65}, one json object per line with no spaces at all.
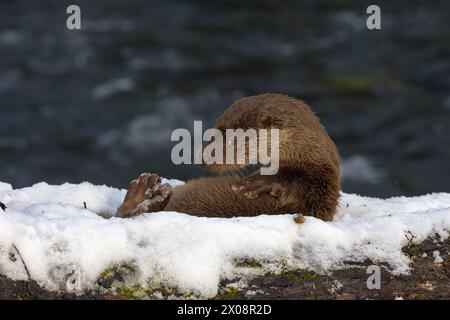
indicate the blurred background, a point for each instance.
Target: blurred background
{"x":99,"y":104}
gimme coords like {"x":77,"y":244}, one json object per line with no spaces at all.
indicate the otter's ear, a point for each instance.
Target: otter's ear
{"x":270,"y":121}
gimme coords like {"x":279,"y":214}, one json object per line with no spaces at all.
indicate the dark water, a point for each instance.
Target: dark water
{"x":99,"y":104}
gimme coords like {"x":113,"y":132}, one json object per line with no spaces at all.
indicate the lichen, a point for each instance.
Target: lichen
{"x":132,"y":293}
{"x":248,"y":263}
{"x":227,"y":293}
{"x":116,"y":276}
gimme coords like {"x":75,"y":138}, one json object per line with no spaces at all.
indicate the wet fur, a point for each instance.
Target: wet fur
{"x":308,"y":178}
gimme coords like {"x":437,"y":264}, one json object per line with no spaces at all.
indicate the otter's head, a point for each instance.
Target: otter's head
{"x":236,"y":132}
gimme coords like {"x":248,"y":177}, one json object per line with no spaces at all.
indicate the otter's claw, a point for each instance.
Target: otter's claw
{"x":255,"y":186}
{"x":145,"y":194}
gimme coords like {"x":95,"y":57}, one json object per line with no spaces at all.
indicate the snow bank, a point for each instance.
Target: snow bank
{"x":47,"y":234}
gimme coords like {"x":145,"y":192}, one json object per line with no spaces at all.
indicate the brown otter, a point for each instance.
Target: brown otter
{"x":307,"y":181}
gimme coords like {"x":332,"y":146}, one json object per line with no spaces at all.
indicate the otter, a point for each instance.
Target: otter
{"x":307,"y":182}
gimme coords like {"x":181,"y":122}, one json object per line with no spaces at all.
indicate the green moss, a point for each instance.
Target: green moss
{"x":301,"y":276}
{"x":166,"y":292}
{"x":227,"y":293}
{"x":248,"y":263}
{"x":132,"y":293}
{"x":120,"y":279}
{"x":108,"y":273}
{"x":116,"y":275}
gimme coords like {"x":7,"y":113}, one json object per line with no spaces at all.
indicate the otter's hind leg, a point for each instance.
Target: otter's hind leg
{"x":214,"y":197}
{"x":313,"y":194}
{"x":145,"y":194}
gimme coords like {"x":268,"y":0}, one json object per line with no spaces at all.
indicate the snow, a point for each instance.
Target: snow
{"x":437,"y":257}
{"x":67,"y":247}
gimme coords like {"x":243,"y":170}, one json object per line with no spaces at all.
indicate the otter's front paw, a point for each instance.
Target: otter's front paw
{"x":145,"y":194}
{"x":256,"y":185}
